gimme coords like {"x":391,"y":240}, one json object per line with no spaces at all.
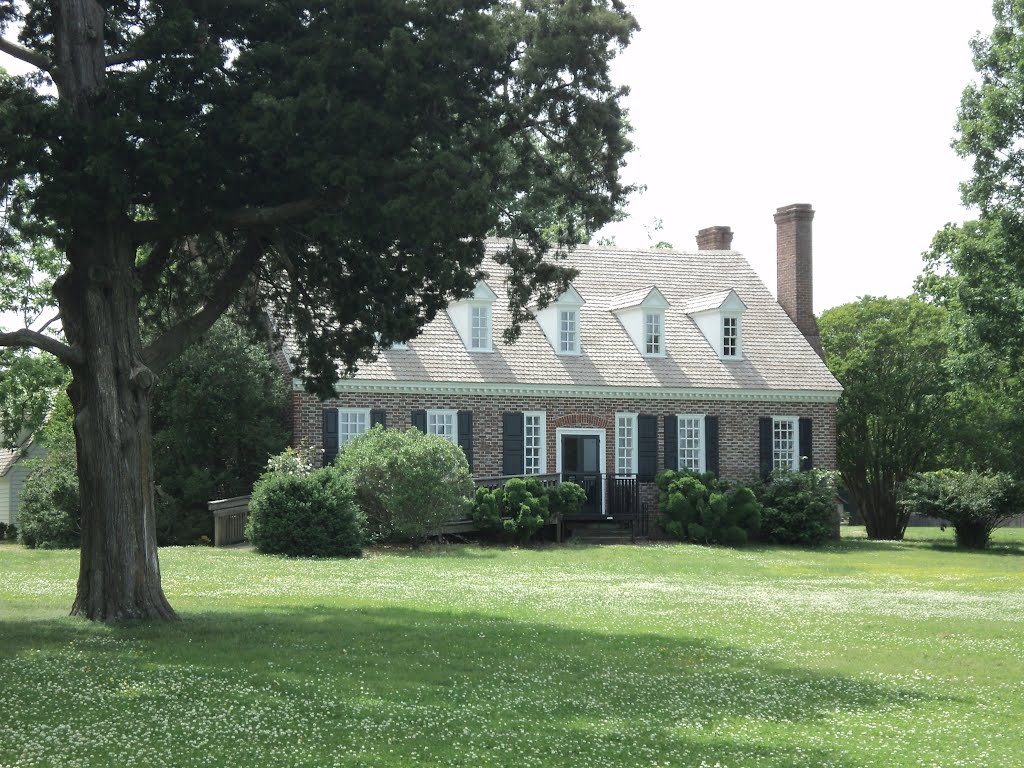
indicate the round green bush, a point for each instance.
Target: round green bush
{"x":407,"y":483}
{"x":799,"y":508}
{"x":312,"y":515}
{"x":702,"y":509}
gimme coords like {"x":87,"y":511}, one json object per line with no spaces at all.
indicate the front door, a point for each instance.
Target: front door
{"x":581,"y":464}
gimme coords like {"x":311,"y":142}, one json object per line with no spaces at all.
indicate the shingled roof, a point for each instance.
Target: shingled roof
{"x":8,"y":458}
{"x":776,"y":356}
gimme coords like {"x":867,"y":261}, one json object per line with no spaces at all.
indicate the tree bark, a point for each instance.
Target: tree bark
{"x":119,"y":574}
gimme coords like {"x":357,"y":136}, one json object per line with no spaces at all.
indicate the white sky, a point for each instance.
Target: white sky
{"x":741,"y":107}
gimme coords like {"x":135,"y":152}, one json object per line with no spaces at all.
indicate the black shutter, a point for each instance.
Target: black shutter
{"x":806,"y":449}
{"x":672,"y":442}
{"x":465,"y":436}
{"x":330,"y":435}
{"x":711,"y":444}
{"x":378,"y":417}
{"x":646,"y":447}
{"x":419,"y":421}
{"x":513,"y":450}
{"x":766,"y":427}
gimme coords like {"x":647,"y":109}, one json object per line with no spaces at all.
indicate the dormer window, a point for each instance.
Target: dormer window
{"x":730,"y":336}
{"x":472,"y":318}
{"x":719,"y":316}
{"x":568,"y":331}
{"x":560,"y":322}
{"x":654,"y":323}
{"x":480,"y":327}
{"x":642,"y":314}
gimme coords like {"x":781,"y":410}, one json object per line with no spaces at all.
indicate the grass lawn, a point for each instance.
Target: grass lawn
{"x":861,"y":654}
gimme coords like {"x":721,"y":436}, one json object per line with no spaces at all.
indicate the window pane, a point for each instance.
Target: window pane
{"x":350,"y":424}
{"x":652,"y":333}
{"x":568,"y":330}
{"x":783,"y":444}
{"x":479,"y":327}
{"x":691,"y":443}
{"x":730,"y":336}
{"x":443,"y":424}
{"x":533,"y":443}
{"x":624,"y":445}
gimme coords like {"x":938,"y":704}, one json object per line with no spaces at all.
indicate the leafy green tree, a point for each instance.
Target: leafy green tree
{"x":338,"y":162}
{"x":218,"y":415}
{"x":888,"y":355}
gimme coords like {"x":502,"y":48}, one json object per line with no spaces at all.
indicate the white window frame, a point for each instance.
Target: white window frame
{"x":779,"y":462}
{"x":738,"y":350}
{"x":626,"y":445}
{"x":702,"y":460}
{"x":563,"y":347}
{"x":538,"y":452}
{"x":649,"y":349}
{"x":474,"y":345}
{"x":444,"y":413}
{"x":364,"y":412}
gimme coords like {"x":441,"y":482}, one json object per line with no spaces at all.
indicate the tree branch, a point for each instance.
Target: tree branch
{"x":247,"y":218}
{"x":28,"y":338}
{"x":27,"y":55}
{"x":175,"y":339}
{"x":158,"y":259}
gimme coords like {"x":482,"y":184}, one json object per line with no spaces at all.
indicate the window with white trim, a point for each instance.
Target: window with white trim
{"x":690,"y":433}
{"x":654,"y":323}
{"x":785,"y":448}
{"x":480,"y":327}
{"x":352,"y":422}
{"x":534,"y":451}
{"x":443,"y":423}
{"x":625,"y":443}
{"x":568,"y":331}
{"x":730,"y":336}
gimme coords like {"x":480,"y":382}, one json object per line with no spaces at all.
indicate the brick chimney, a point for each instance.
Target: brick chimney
{"x":795,"y":274}
{"x":714,"y":239}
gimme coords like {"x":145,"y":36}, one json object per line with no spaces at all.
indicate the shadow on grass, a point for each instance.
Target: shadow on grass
{"x":451,"y":685}
{"x":857,"y":545}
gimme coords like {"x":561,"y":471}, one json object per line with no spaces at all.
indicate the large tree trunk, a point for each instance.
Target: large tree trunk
{"x":119,"y":576}
{"x":884,"y":519}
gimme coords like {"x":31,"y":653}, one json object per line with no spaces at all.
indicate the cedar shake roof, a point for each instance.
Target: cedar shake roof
{"x":776,"y":356}
{"x":705,"y":303}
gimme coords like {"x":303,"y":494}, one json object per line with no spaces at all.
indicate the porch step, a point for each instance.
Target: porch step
{"x":600,"y":533}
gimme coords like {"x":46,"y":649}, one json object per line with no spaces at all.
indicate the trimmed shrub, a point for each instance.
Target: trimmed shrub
{"x":12,"y":532}
{"x":702,"y":509}
{"x":975,"y":503}
{"x":3,"y":531}
{"x":314,"y":515}
{"x":525,"y":507}
{"x":291,"y":461}
{"x":799,"y":507}
{"x":566,"y":499}
{"x":407,"y":483}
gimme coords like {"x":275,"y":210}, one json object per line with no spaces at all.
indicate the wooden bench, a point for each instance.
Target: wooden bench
{"x":229,"y":519}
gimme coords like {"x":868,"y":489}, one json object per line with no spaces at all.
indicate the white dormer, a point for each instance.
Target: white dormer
{"x":642,"y":314}
{"x":560,"y":321}
{"x":720,"y":318}
{"x":473,"y":318}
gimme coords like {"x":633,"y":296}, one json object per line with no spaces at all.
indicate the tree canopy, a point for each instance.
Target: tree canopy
{"x":338,"y":163}
{"x":888,"y":355}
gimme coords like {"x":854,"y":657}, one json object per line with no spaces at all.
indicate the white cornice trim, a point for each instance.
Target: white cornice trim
{"x":573,"y":390}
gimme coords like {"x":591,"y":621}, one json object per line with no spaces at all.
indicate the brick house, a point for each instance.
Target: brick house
{"x":652,"y":359}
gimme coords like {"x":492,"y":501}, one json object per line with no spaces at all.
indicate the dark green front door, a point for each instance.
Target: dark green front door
{"x":581,"y":464}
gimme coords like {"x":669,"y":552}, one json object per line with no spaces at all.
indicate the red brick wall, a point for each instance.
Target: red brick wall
{"x":795,"y":269}
{"x":738,"y":423}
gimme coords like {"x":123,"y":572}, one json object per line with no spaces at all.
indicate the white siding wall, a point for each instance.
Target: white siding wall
{"x":5,"y":500}
{"x":16,"y":475}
